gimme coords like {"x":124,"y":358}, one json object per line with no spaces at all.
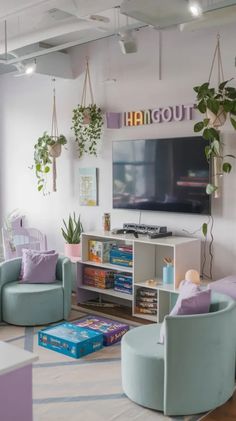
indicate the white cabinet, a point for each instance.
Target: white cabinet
{"x":148,"y":265}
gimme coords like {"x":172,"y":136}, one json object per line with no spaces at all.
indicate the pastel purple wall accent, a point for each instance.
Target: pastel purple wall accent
{"x":16,"y":395}
{"x":114,"y":120}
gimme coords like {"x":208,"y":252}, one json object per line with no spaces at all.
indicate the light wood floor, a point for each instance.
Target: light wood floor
{"x":226,"y":412}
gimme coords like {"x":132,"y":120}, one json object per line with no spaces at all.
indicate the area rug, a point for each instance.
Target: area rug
{"x":76,"y":390}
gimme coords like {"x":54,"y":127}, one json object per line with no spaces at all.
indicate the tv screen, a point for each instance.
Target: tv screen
{"x":167,"y":175}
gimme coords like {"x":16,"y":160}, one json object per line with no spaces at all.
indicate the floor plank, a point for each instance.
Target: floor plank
{"x":226,"y":412}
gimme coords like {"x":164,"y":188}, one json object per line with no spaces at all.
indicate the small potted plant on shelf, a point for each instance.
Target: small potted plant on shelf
{"x":71,"y":232}
{"x":217,"y":105}
{"x":46,"y":150}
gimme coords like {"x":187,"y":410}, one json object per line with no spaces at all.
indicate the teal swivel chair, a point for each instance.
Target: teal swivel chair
{"x":34,"y":304}
{"x":193,"y":371}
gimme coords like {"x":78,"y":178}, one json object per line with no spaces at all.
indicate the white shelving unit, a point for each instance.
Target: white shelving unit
{"x":148,"y":265}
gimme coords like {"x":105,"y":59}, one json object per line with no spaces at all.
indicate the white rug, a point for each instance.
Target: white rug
{"x":87,"y":389}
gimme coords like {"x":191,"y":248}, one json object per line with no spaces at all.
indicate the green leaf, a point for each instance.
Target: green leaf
{"x":204,"y":229}
{"x":213,"y":105}
{"x":228,"y":105}
{"x":202,"y":107}
{"x":46,"y":169}
{"x":198,"y":126}
{"x":215,"y":146}
{"x":226,"y":167}
{"x":196,"y":88}
{"x":222,"y":85}
{"x":40,"y":187}
{"x":206,"y":122}
{"x":233,"y":122}
{"x":210,"y":188}
{"x":38,"y":167}
{"x":208,"y":152}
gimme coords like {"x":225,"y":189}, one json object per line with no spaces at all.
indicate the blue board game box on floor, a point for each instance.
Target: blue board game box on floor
{"x":111,"y":330}
{"x":71,"y":340}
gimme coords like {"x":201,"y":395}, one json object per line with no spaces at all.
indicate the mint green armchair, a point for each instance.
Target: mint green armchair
{"x":34,"y":304}
{"x":193,"y":371}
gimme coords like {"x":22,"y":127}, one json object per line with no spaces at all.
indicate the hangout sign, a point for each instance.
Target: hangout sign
{"x":172,"y":113}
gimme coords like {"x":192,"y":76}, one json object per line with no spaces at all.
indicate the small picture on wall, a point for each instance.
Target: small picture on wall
{"x":88,"y":193}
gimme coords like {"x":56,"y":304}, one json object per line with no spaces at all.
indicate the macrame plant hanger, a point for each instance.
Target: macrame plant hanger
{"x":87,"y":88}
{"x":55,"y":150}
{"x":219,"y":119}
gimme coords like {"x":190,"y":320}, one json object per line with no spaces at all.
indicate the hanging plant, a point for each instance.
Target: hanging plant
{"x":87,"y":126}
{"x":87,"y":121}
{"x":217,"y":105}
{"x":46,"y":150}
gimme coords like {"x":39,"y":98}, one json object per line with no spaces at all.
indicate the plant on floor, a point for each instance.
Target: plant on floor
{"x":72,"y":230}
{"x":45,"y":150}
{"x":217,"y":105}
{"x":87,"y":125}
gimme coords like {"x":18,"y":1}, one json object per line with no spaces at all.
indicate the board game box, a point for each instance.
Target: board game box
{"x":112,"y":330}
{"x":70,"y":339}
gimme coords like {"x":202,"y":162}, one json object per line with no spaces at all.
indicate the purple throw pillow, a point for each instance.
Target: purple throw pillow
{"x":24,"y":251}
{"x":191,"y":300}
{"x":39,"y":268}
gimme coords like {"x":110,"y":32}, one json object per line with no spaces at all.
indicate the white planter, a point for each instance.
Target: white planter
{"x":217,"y":120}
{"x":55,"y":150}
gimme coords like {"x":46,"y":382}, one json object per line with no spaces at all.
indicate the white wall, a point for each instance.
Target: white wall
{"x":26,"y":113}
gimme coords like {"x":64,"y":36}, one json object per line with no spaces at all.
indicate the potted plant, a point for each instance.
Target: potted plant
{"x":72,"y":234}
{"x":217,"y":105}
{"x":46,"y":150}
{"x":87,"y":125}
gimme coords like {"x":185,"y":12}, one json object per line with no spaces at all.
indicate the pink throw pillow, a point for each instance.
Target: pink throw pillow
{"x":39,"y":268}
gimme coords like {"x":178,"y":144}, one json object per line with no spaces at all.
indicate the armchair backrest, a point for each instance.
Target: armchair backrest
{"x":200,"y":348}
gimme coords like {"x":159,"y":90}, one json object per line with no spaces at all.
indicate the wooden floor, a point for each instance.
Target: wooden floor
{"x":226,"y":412}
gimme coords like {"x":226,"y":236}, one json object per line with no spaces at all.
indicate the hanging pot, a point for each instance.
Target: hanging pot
{"x":55,"y":150}
{"x":217,"y":120}
{"x":87,"y":116}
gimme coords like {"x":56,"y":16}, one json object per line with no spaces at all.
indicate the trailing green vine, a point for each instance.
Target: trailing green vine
{"x":87,"y":126}
{"x":43,"y":159}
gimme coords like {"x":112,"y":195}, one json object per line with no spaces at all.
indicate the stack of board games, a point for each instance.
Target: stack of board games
{"x":123,"y":282}
{"x":112,"y":330}
{"x":146,"y":301}
{"x":122,"y":255}
{"x":99,"y":278}
{"x":71,"y":340}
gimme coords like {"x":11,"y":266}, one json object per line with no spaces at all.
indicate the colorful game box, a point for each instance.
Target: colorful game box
{"x":70,"y":339}
{"x":99,"y":251}
{"x":112,"y":331}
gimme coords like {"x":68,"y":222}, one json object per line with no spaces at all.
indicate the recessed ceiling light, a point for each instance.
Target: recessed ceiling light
{"x":195,"y":8}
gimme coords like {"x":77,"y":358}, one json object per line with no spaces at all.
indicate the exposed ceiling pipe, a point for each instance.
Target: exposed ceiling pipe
{"x":42,"y":35}
{"x":22,"y":9}
{"x":60,"y":47}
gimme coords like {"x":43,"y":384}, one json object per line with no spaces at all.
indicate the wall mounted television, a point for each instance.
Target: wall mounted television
{"x":168,"y":175}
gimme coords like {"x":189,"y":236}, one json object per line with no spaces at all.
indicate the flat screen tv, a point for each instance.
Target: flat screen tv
{"x":167,"y":175}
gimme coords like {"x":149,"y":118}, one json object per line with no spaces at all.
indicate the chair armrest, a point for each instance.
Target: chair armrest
{"x":10,"y":271}
{"x":199,"y":355}
{"x":64,"y":266}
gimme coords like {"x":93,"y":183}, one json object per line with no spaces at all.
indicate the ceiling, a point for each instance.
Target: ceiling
{"x":34,"y":28}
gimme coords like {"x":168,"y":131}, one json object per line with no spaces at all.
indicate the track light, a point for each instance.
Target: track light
{"x":127,"y":42}
{"x":195,"y":8}
{"x":30,"y":68}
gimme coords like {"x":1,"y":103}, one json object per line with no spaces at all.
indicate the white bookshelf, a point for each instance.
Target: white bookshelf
{"x":148,"y":265}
